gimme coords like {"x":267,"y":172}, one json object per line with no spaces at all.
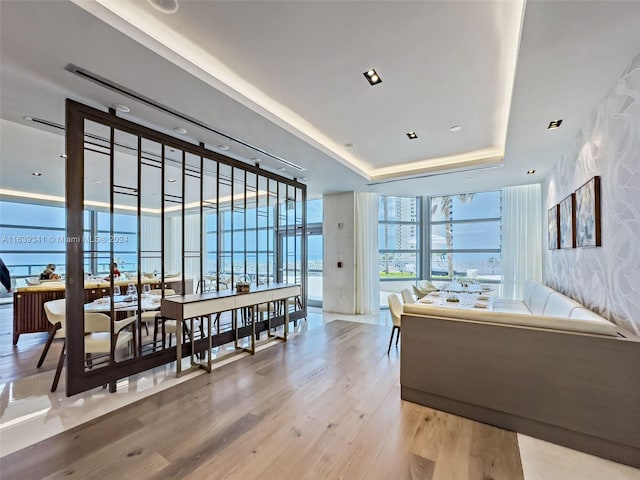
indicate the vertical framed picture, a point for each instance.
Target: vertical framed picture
{"x":588,"y":214}
{"x":553,"y":217}
{"x":568,"y":222}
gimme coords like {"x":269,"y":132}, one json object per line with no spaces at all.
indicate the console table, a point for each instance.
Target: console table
{"x":187,"y":307}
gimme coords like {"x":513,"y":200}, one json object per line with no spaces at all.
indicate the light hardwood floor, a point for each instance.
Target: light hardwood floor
{"x":323,"y":405}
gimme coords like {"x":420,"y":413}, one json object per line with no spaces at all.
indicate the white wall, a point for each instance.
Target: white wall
{"x":338,"y":288}
{"x":607,"y":278}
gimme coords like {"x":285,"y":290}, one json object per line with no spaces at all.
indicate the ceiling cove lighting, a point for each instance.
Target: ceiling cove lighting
{"x":412,"y":135}
{"x":531,"y":172}
{"x":554,"y":124}
{"x":372,"y":77}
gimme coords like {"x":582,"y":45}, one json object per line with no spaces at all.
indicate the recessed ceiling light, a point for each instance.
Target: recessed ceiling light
{"x":303,"y":179}
{"x":372,"y":77}
{"x":554,"y":124}
{"x":223,"y":147}
{"x":36,"y":174}
{"x":282,"y":169}
{"x":349,"y":145}
{"x":165,"y":6}
{"x":256,"y":160}
{"x":412,"y":135}
{"x":180,"y":130}
{"x":172,"y":180}
{"x":64,"y":155}
{"x":531,"y":172}
{"x":455,"y":128}
{"x":27,"y":118}
{"x":121,"y":108}
{"x":97,"y":181}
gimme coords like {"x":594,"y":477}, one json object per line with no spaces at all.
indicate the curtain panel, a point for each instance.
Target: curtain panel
{"x":521,"y":238}
{"x":366,"y":253}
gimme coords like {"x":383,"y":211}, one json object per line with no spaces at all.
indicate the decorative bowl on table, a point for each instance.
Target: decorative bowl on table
{"x":243,"y":287}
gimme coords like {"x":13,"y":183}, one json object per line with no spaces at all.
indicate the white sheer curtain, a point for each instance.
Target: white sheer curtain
{"x":521,"y":238}
{"x":366,"y":252}
{"x":150,"y":242}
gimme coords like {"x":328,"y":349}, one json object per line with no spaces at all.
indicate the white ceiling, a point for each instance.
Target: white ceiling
{"x":287,"y":77}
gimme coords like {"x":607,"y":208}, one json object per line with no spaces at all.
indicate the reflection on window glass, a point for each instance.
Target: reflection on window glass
{"x":466,"y":206}
{"x":466,"y":238}
{"x":485,"y":267}
{"x":314,"y":211}
{"x":32,"y":236}
{"x":398,"y":237}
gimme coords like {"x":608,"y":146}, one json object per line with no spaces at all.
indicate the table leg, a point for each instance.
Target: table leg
{"x":178,"y":347}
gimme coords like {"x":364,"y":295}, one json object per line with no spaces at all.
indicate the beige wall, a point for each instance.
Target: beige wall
{"x":338,"y":287}
{"x":606,"y":278}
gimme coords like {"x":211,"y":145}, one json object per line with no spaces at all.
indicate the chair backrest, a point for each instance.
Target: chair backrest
{"x":426,"y":285}
{"x":167,"y":291}
{"x":55,"y":310}
{"x":96,"y":322}
{"x":395,"y":307}
{"x":407,"y":296}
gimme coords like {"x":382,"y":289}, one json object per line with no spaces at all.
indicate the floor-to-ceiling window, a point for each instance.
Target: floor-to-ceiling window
{"x":466,"y":237}
{"x":314,"y":252}
{"x":438,"y":238}
{"x":398,"y":238}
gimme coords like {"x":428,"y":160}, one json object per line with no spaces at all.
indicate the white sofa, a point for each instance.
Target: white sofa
{"x":541,"y":307}
{"x":545,"y":366}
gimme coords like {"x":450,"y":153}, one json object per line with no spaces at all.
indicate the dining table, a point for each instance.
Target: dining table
{"x":451,"y":299}
{"x":124,"y":303}
{"x":124,"y":308}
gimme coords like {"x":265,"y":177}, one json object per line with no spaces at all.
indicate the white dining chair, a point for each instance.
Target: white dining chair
{"x":395,"y":308}
{"x":407,"y":296}
{"x":97,"y":339}
{"x":55,"y":310}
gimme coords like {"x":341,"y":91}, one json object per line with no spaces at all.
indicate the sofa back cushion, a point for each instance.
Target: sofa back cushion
{"x":527,"y":291}
{"x":539,"y":299}
{"x":593,"y":324}
{"x":559,"y":306}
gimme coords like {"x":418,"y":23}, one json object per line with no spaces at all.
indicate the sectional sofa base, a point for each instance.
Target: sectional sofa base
{"x":573,"y":389}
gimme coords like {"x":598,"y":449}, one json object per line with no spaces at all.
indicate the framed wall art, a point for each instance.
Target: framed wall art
{"x":588,"y":214}
{"x":568,"y":222}
{"x":553,"y":217}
